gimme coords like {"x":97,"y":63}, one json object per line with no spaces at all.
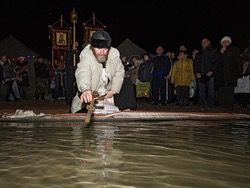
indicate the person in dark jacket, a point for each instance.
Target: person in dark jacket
{"x":204,"y":67}
{"x":60,"y":77}
{"x":143,"y":87}
{"x":227,"y":72}
{"x":243,"y":98}
{"x":161,"y":69}
{"x":22,"y":76}
{"x":145,"y":69}
{"x":1,"y":71}
{"x":42,"y":75}
{"x":70,"y":86}
{"x":8,"y":77}
{"x":126,"y":99}
{"x":245,"y":60}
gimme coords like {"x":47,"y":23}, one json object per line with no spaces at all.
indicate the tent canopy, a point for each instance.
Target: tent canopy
{"x":128,"y":48}
{"x":11,"y":47}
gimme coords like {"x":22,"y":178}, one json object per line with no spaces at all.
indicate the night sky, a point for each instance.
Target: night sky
{"x":148,"y":24}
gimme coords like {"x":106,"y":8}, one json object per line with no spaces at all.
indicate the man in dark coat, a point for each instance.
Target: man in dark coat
{"x":70,"y":89}
{"x":204,"y":67}
{"x":42,"y":76}
{"x":228,"y":71}
{"x":8,"y":77}
{"x":161,"y":70}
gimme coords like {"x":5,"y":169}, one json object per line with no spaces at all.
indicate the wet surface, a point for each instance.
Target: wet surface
{"x":158,"y":154}
{"x":59,"y":107}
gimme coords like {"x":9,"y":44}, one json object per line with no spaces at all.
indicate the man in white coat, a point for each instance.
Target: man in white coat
{"x":100,"y":69}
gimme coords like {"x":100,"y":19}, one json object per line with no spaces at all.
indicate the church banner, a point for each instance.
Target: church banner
{"x":61,"y":38}
{"x":61,"y":42}
{"x":89,"y":30}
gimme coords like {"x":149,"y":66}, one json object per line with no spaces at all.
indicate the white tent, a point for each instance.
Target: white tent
{"x":128,"y":48}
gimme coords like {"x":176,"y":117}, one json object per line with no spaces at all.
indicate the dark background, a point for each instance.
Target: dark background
{"x":147,"y":23}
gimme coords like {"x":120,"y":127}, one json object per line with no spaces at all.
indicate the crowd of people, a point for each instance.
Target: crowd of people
{"x":16,"y":79}
{"x":39,"y":80}
{"x":14,"y":75}
{"x":207,"y":77}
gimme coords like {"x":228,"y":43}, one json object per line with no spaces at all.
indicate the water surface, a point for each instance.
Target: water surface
{"x":153,"y":154}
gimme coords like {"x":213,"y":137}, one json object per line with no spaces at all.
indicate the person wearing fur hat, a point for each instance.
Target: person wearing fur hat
{"x":227,"y":72}
{"x":99,"y":70}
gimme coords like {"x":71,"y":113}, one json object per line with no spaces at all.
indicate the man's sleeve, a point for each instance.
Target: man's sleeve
{"x":215,"y":58}
{"x":83,"y":74}
{"x":197,"y":64}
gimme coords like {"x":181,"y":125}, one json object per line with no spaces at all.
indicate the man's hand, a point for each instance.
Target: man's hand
{"x":109,"y":94}
{"x":168,"y":76}
{"x":223,"y":49}
{"x":209,"y":74}
{"x":198,"y":75}
{"x":86,"y":96}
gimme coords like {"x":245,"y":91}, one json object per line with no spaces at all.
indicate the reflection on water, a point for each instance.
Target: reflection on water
{"x":166,"y":154}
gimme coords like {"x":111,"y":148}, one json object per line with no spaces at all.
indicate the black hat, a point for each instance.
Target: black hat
{"x":101,"y":39}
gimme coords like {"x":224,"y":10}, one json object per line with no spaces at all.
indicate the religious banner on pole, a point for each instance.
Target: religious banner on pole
{"x":61,"y":42}
{"x":61,"y":38}
{"x":73,"y":15}
{"x":91,"y":26}
{"x":89,"y":30}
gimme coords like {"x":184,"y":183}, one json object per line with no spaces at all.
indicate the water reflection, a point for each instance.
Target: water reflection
{"x":153,"y":154}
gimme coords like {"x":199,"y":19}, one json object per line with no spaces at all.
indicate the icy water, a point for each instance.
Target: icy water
{"x":166,"y":154}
